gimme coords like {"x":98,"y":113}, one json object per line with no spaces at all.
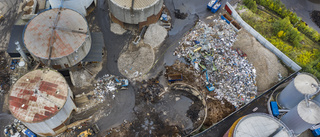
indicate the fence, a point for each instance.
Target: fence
{"x":263,"y":41}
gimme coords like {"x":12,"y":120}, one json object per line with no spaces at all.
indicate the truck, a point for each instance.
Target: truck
{"x":90,"y":131}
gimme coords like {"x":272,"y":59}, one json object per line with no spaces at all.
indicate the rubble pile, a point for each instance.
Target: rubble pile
{"x":208,"y":50}
{"x":108,"y":84}
{"x":105,"y":87}
{"x":315,"y":16}
{"x":17,"y":129}
{"x":151,"y":90}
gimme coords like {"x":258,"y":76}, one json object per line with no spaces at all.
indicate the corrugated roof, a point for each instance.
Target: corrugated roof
{"x":95,"y":53}
{"x":137,"y":3}
{"x":38,"y":96}
{"x":39,"y":31}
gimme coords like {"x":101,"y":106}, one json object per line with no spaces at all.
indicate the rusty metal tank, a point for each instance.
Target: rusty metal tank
{"x":43,"y":101}
{"x":65,"y":30}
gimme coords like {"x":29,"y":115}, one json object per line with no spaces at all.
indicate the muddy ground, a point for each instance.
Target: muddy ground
{"x":217,"y":110}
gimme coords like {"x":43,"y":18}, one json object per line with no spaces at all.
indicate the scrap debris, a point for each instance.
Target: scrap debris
{"x":105,"y":87}
{"x":208,"y":49}
{"x":17,"y":129}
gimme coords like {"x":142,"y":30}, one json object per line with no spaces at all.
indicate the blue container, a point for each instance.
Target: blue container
{"x":274,"y":108}
{"x":223,"y":18}
{"x":215,"y":9}
{"x":316,"y":132}
{"x":29,"y":133}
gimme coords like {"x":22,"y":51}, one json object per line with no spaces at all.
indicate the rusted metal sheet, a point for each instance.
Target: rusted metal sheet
{"x":38,"y":95}
{"x":42,"y":100}
{"x":70,"y":37}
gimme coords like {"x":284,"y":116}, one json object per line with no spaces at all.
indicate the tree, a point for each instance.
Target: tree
{"x":251,"y":4}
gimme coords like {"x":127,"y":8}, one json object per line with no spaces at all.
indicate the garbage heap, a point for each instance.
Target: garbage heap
{"x":208,"y":48}
{"x":108,"y":84}
{"x":16,"y":129}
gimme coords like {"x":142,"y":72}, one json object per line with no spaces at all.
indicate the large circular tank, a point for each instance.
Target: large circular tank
{"x":140,"y":12}
{"x":42,"y":100}
{"x":259,"y":125}
{"x":317,"y":98}
{"x":295,"y":91}
{"x":80,"y":6}
{"x":302,"y":117}
{"x":66,"y":30}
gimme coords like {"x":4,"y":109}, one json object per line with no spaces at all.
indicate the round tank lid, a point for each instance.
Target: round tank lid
{"x":260,"y":125}
{"x":65,"y":29}
{"x":138,"y":4}
{"x":38,"y":95}
{"x":303,"y":83}
{"x":309,"y":114}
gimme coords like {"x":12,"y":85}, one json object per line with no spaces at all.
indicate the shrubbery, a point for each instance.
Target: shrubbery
{"x":283,"y":12}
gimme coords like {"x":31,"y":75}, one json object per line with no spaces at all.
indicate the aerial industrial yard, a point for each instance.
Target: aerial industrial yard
{"x":79,"y":68}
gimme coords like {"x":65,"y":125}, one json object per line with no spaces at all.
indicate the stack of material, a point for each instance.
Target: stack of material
{"x":208,"y":48}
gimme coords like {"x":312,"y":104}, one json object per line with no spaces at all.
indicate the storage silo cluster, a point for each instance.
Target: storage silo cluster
{"x":140,"y":12}
{"x":303,"y":84}
{"x":43,"y":101}
{"x":65,"y":31}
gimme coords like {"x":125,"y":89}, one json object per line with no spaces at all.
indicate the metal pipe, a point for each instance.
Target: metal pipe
{"x":23,"y":55}
{"x":284,"y":110}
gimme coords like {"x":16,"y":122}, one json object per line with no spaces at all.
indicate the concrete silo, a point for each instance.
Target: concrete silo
{"x":258,"y":125}
{"x":317,"y":98}
{"x":302,"y":117}
{"x":84,"y":7}
{"x":43,"y":101}
{"x":296,"y":90}
{"x":63,"y":33}
{"x":141,"y":12}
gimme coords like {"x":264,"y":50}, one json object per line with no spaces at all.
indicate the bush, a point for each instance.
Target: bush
{"x":251,"y":4}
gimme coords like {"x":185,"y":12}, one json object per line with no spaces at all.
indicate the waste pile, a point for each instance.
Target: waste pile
{"x":315,"y":16}
{"x":151,"y":90}
{"x":104,"y":87}
{"x":208,"y":48}
{"x":17,"y":129}
{"x":108,"y":84}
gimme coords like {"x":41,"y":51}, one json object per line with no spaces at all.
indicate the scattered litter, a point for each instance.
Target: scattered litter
{"x":17,"y":129}
{"x":209,"y":48}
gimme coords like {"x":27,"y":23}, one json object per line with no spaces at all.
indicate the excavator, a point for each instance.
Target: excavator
{"x":90,"y":131}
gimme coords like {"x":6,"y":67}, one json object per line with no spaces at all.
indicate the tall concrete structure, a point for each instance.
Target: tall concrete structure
{"x":303,"y":84}
{"x":84,"y":7}
{"x":59,"y":35}
{"x":302,"y":117}
{"x":140,"y":12}
{"x":42,"y":101}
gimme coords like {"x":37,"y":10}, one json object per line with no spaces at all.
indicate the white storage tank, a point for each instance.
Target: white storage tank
{"x":135,"y":11}
{"x":42,"y":100}
{"x":65,"y":30}
{"x":295,"y":91}
{"x":302,"y":117}
{"x":81,"y":6}
{"x":317,"y":98}
{"x":259,"y":125}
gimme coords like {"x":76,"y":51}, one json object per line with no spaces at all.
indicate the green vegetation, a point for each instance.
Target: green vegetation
{"x":298,"y":41}
{"x":280,"y":9}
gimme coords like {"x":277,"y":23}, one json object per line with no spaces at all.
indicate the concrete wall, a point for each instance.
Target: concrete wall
{"x":263,"y":41}
{"x":137,"y":15}
{"x":55,"y":124}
